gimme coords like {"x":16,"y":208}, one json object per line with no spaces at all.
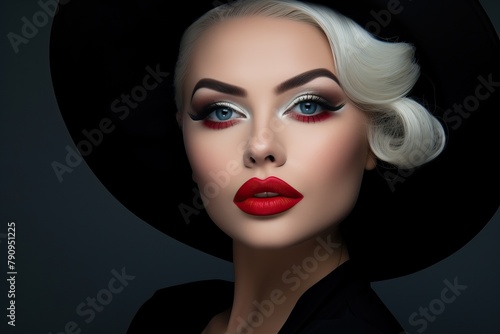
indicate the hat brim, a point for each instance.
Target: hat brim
{"x":112,"y":69}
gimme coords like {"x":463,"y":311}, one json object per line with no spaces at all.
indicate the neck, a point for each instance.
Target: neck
{"x":268,"y":282}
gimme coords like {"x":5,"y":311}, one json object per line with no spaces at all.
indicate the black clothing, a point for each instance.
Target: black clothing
{"x":341,"y":302}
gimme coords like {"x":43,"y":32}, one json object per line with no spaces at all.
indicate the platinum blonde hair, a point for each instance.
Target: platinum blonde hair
{"x":376,"y":75}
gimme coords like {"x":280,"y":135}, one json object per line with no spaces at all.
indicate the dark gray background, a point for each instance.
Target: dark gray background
{"x":71,"y":235}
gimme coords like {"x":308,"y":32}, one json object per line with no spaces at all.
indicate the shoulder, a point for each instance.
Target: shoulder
{"x":189,"y":306}
{"x":343,"y":302}
{"x":359,"y":311}
{"x":369,"y":312}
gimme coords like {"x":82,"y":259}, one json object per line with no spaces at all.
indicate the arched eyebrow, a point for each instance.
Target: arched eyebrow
{"x":293,"y":82}
{"x":219,"y":86}
{"x":304,"y":78}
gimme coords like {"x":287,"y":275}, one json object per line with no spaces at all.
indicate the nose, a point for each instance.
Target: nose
{"x":264,"y":148}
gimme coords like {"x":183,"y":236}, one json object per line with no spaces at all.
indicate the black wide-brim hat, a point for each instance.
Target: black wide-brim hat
{"x":112,"y":65}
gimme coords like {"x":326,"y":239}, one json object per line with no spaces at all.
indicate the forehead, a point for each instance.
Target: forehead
{"x":245,"y":48}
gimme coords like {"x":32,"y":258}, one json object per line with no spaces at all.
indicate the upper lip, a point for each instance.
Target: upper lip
{"x":271,"y":184}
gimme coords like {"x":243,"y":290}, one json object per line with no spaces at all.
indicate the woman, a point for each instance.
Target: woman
{"x":260,"y":90}
{"x":285,"y":109}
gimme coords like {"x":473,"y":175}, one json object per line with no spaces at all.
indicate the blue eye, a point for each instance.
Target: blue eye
{"x":311,"y":108}
{"x":219,"y":115}
{"x":308,"y":108}
{"x":223,"y":113}
{"x":311,"y":104}
{"x":217,"y":112}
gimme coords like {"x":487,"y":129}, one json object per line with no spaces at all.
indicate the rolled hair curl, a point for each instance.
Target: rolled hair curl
{"x":376,"y":75}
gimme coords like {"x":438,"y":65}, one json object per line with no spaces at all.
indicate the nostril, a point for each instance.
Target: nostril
{"x":271,"y":158}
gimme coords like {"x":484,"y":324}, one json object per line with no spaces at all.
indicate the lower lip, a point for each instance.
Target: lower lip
{"x":267,"y":206}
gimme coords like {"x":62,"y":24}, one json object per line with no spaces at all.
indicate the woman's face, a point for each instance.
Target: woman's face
{"x":262,"y":103}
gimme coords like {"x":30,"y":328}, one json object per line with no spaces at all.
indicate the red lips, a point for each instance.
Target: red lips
{"x":266,"y":197}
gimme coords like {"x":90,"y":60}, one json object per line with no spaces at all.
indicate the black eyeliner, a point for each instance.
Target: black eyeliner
{"x":202,"y":114}
{"x":318,"y":100}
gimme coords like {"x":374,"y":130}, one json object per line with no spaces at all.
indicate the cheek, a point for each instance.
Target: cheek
{"x":202,"y":159}
{"x":345,"y":156}
{"x":335,"y":166}
{"x":215,"y":159}
{"x":209,"y":153}
{"x":337,"y":151}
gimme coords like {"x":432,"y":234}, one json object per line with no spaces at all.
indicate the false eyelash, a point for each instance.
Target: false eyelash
{"x":316,"y":99}
{"x":203,"y":113}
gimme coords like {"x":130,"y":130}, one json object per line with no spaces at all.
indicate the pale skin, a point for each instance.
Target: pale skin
{"x":265,"y":132}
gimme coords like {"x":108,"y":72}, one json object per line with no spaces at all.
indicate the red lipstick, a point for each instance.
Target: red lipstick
{"x":266,"y":197}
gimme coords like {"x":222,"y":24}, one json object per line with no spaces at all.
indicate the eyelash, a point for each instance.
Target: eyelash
{"x":326,"y":110}
{"x":211,"y":108}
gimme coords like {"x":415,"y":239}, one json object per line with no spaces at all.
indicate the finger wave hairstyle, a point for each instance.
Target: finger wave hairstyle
{"x":375,"y":74}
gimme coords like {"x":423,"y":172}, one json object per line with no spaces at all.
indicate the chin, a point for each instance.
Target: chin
{"x":274,"y":233}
